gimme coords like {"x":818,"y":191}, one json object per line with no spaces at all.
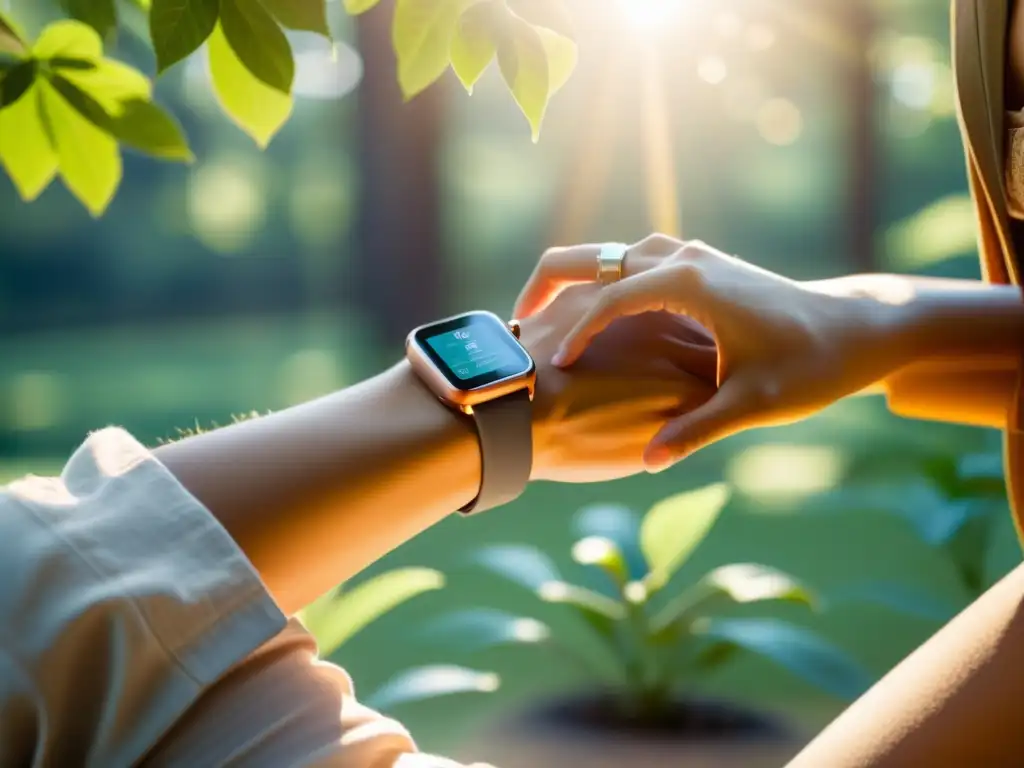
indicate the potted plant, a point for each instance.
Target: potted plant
{"x":638,"y":708}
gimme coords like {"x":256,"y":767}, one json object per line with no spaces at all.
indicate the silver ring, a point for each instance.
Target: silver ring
{"x":610,"y":262}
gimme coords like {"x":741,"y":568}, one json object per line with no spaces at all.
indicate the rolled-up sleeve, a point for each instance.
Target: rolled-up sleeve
{"x":121,"y":600}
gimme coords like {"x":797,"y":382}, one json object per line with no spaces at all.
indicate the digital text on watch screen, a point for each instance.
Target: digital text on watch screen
{"x":474,"y":350}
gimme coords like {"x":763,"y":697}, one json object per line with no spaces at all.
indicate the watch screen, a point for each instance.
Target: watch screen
{"x":474,"y":350}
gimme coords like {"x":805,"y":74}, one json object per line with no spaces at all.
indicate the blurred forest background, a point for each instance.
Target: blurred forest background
{"x":815,"y":138}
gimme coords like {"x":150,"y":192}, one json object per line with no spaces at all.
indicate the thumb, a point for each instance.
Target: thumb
{"x":723,"y":415}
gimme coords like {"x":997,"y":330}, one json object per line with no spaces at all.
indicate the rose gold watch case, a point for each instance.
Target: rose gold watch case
{"x":464,"y":400}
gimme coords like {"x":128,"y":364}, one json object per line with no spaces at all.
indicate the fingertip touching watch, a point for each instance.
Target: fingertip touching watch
{"x":475,"y":364}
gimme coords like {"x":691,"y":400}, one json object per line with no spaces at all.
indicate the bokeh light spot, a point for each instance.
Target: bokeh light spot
{"x":780,"y":122}
{"x":780,"y":470}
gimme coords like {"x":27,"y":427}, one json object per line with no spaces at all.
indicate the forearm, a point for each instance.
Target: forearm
{"x":956,"y":344}
{"x":977,"y":391}
{"x":316,"y":493}
{"x":927,"y":320}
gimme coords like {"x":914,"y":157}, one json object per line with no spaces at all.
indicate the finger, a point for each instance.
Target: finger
{"x":723,"y":415}
{"x":560,"y":268}
{"x":557,"y":269}
{"x":632,"y":296}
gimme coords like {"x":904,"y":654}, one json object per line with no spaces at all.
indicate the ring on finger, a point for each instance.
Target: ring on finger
{"x":611,"y":261}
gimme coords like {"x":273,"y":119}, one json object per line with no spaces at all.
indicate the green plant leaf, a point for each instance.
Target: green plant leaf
{"x":11,"y":40}
{"x":179,"y":27}
{"x":258,"y":42}
{"x":334,"y":619}
{"x":519,"y":563}
{"x":898,"y":598}
{"x":753,"y":583}
{"x":473,"y":44}
{"x":109,"y":82}
{"x":90,"y":161}
{"x":101,"y":15}
{"x":548,"y":14}
{"x":134,"y":122}
{"x":422,"y":34}
{"x":736,"y":583}
{"x":476,"y":629}
{"x":356,"y":7}
{"x":432,"y":682}
{"x":302,"y":15}
{"x":604,"y":554}
{"x":618,"y":523}
{"x":68,"y":40}
{"x":673,"y":528}
{"x":801,"y":651}
{"x":26,"y":149}
{"x":600,"y":612}
{"x":254,"y":106}
{"x":563,"y":55}
{"x":16,"y":80}
{"x":523,"y":61}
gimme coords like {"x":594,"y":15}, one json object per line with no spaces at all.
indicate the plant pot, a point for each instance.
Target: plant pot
{"x":586,"y":732}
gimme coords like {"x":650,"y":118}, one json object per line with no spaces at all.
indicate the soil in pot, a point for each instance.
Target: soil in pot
{"x":591,"y":731}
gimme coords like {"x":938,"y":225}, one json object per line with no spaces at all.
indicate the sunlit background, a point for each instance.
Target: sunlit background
{"x":814,"y":137}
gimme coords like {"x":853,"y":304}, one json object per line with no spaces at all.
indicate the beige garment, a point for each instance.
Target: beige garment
{"x":133,"y":631}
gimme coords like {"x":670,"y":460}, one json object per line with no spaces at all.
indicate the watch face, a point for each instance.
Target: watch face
{"x":474,"y":350}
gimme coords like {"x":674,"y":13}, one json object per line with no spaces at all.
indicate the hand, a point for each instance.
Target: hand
{"x":785,"y":349}
{"x":593,"y":422}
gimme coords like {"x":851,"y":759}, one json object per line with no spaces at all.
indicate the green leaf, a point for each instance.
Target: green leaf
{"x":548,"y":14}
{"x":134,"y":122}
{"x":737,"y":583}
{"x":26,"y":149}
{"x":563,"y":55}
{"x":799,"y":650}
{"x":618,"y":523}
{"x":101,"y":15}
{"x":673,"y":528}
{"x":604,"y":554}
{"x":109,"y":82}
{"x":16,"y":81}
{"x":258,"y":42}
{"x":519,"y":563}
{"x":254,"y":106}
{"x":179,"y":27}
{"x":422,"y":35}
{"x":523,"y":60}
{"x":90,"y":161}
{"x":477,"y":629}
{"x":68,"y":40}
{"x":473,"y":45}
{"x":335,"y":619}
{"x":356,"y":7}
{"x":753,"y":583}
{"x":600,"y":612}
{"x":898,"y":598}
{"x":11,"y":40}
{"x":302,"y":15}
{"x":425,"y":683}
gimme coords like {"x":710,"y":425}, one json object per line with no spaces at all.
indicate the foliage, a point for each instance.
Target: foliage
{"x":337,"y":616}
{"x":655,"y":639}
{"x":67,"y":109}
{"x":953,"y":501}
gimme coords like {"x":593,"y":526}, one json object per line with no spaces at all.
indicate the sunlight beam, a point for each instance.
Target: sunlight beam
{"x":648,"y":15}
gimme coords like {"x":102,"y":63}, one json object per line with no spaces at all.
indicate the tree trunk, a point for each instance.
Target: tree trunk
{"x":863,"y":147}
{"x":398,"y":265}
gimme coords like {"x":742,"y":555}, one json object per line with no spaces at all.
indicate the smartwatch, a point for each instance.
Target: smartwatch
{"x":475,"y":364}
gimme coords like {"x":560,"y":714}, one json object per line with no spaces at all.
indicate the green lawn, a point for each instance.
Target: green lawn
{"x":152,"y":381}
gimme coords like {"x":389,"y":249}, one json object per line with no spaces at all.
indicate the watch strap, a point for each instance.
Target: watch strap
{"x":505,"y":430}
